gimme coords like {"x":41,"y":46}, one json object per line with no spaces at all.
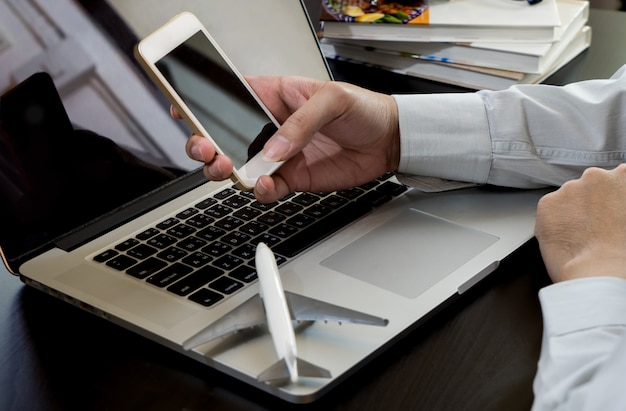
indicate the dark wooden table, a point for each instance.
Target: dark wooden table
{"x":477,"y":353}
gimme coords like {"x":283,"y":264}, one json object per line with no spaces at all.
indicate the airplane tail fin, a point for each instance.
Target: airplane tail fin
{"x":279,"y":373}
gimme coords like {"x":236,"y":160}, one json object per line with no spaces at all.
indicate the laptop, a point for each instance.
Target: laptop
{"x":163,"y":252}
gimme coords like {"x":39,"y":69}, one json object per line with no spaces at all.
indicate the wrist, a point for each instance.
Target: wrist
{"x":600,"y":263}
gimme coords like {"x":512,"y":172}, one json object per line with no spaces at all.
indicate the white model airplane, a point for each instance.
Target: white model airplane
{"x":278,"y":308}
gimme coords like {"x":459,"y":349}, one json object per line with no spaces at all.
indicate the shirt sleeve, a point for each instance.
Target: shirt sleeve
{"x":583,"y":352}
{"x":526,"y":136}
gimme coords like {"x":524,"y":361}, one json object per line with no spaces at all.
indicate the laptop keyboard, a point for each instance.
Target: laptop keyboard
{"x":205,"y":253}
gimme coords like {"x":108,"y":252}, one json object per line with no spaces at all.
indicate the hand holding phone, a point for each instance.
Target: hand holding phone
{"x":210,"y":94}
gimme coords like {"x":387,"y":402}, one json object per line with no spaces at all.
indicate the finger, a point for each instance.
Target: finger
{"x":298,"y":130}
{"x":269,"y":189}
{"x":174,"y":113}
{"x":219,"y":169}
{"x":264,"y":189}
{"x":200,"y":149}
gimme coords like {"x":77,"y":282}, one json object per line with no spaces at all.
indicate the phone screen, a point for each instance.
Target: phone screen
{"x":215,"y":95}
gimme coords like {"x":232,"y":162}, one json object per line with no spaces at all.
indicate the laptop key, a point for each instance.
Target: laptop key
{"x":244,"y":273}
{"x":146,"y":268}
{"x":205,"y":203}
{"x":300,"y":220}
{"x":263,"y":206}
{"x":283,"y":230}
{"x":229,"y":223}
{"x":334,"y":201}
{"x":172,"y":254}
{"x":218,"y":211}
{"x":206,"y":297}
{"x":147,"y":233}
{"x":217,"y":249}
{"x":168,"y":223}
{"x":141,"y":251}
{"x":227,"y":262}
{"x":105,"y":255}
{"x":187,"y":213}
{"x":210,"y":233}
{"x":375,"y":198}
{"x":197,"y":259}
{"x":191,"y":243}
{"x":289,"y":209}
{"x":247,"y":213}
{"x":246,"y":251}
{"x":350,"y":194}
{"x":253,"y":228}
{"x":235,"y":238}
{"x":161,"y":241}
{"x":236,"y":201}
{"x":169,"y":275}
{"x":226,"y":285}
{"x":271,"y":218}
{"x":305,"y":199}
{"x":391,"y":188}
{"x":224,"y":193}
{"x":195,"y":280}
{"x":370,"y":185}
{"x":127,"y":244}
{"x":199,"y":221}
{"x":121,"y":262}
{"x":181,"y":231}
{"x":318,"y":211}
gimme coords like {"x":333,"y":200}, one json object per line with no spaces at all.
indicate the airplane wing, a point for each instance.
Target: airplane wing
{"x":247,"y":315}
{"x":308,"y":309}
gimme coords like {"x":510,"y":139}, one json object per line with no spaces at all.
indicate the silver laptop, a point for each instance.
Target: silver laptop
{"x":155,"y":248}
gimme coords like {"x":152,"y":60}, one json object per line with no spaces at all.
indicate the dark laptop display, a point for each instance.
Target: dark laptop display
{"x":55,"y":178}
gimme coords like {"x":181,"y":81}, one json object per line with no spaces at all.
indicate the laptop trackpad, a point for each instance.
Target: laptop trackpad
{"x":415,"y":251}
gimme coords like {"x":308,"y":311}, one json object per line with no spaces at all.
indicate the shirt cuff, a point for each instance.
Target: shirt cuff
{"x":584,"y":303}
{"x":444,"y":136}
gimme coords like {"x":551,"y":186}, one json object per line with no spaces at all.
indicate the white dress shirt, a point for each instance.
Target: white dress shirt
{"x":583,"y":353}
{"x":527,"y":136}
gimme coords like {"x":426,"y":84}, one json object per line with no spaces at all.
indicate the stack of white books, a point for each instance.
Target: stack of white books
{"x":477,"y":44}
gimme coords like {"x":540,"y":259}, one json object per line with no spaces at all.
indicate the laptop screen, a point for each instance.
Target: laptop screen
{"x":55,"y":178}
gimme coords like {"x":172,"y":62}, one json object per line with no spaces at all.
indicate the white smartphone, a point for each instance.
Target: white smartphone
{"x":210,"y":94}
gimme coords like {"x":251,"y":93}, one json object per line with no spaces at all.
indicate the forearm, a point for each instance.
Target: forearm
{"x":525,"y":136}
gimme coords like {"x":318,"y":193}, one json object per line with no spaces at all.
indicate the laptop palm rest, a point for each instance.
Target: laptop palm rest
{"x":438,"y":247}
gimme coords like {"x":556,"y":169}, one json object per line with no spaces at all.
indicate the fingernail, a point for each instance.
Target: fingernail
{"x":215,"y":170}
{"x":260,"y":188}
{"x":196,"y":153}
{"x":276,"y":148}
